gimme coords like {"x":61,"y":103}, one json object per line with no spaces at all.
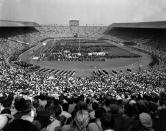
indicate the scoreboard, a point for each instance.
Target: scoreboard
{"x":74,"y":27}
{"x":74,"y":23}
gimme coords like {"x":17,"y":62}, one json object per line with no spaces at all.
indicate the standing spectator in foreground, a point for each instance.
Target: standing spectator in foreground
{"x":65,"y":112}
{"x":55,"y":123}
{"x":107,"y":122}
{"x":145,"y":122}
{"x":96,"y":125}
{"x":80,"y":122}
{"x":3,"y":121}
{"x":25,"y":122}
{"x":18,"y":105}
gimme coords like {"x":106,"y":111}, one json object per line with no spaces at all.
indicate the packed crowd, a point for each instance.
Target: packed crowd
{"x":124,"y":101}
{"x":135,"y":99}
{"x":65,"y":31}
{"x":33,"y":36}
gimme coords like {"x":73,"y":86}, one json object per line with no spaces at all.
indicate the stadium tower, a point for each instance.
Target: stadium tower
{"x":74,"y":27}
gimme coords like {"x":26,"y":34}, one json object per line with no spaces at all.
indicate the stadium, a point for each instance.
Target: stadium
{"x":73,"y":77}
{"x":82,"y":55}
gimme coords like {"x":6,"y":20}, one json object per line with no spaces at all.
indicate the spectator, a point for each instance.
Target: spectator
{"x":25,"y":123}
{"x":96,"y":125}
{"x":145,"y":122}
{"x":55,"y":123}
{"x":80,"y":122}
{"x":107,"y":122}
{"x":3,"y":121}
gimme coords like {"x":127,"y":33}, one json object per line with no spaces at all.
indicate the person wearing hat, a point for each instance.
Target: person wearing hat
{"x":25,"y":122}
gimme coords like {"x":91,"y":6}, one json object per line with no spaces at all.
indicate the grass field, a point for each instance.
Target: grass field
{"x":57,"y":46}
{"x":86,"y":67}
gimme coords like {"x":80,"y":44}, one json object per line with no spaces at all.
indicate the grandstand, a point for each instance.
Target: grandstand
{"x":31,"y":34}
{"x":7,"y":23}
{"x":141,"y":33}
{"x":51,"y":78}
{"x":151,"y":25}
{"x":15,"y":35}
{"x":15,"y":28}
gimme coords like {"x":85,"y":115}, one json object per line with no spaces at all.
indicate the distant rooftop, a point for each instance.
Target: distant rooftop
{"x":154,"y":24}
{"x":8,"y":23}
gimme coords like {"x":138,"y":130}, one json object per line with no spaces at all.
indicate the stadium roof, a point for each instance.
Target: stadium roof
{"x":7,"y":23}
{"x":152,"y":25}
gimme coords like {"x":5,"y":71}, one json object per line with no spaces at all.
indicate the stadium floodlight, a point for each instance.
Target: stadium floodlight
{"x":44,"y":44}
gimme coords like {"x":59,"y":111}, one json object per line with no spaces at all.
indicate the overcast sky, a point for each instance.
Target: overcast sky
{"x":87,"y":11}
